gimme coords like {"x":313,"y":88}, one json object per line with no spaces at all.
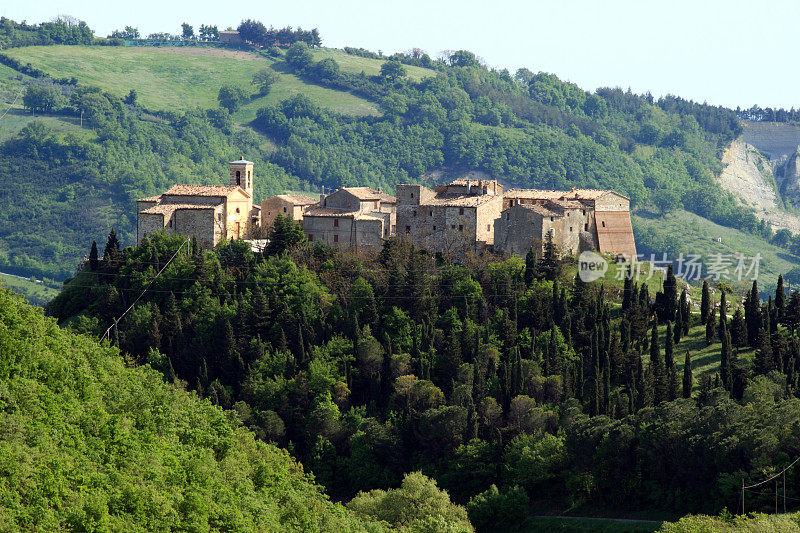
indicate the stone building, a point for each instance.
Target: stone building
{"x":207,"y":212}
{"x":351,"y":216}
{"x":230,"y":37}
{"x":451,"y":218}
{"x":288,"y":205}
{"x":578,"y":220}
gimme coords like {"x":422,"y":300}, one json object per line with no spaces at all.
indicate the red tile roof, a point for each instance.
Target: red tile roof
{"x":203,"y":190}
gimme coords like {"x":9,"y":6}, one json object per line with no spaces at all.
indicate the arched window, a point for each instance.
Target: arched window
{"x":238,"y":178}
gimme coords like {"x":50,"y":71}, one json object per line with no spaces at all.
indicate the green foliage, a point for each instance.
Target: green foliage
{"x":108,"y":447}
{"x":731,"y":524}
{"x":231,"y":97}
{"x":43,"y":99}
{"x":418,"y":505}
{"x":492,"y":510}
{"x":299,"y":56}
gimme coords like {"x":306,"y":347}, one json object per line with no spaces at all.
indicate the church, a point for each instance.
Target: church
{"x":207,"y":212}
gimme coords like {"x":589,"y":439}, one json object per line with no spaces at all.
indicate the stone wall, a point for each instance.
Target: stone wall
{"x":197,"y":222}
{"x":349,"y":232}
{"x":274,"y":206}
{"x":149,"y":223}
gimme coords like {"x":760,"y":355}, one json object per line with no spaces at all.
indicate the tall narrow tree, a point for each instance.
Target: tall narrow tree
{"x":688,"y":379}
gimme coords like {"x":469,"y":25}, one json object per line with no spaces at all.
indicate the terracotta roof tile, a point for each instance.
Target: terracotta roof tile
{"x":297,"y":199}
{"x":203,"y":190}
{"x":166,"y":209}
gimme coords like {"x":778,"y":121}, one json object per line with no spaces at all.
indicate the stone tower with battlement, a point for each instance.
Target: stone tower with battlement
{"x":242,"y":175}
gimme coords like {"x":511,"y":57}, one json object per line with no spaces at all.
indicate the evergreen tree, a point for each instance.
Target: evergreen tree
{"x":763,"y":362}
{"x":752,"y":315}
{"x":686,"y":312}
{"x":94,"y":263}
{"x":723,"y":314}
{"x":670,"y":295}
{"x":711,"y":327}
{"x":111,"y":253}
{"x":678,"y":329}
{"x":780,"y":298}
{"x":549,"y":265}
{"x":657,"y":369}
{"x":530,"y":267}
{"x":705,"y":303}
{"x":725,"y":367}
{"x":738,"y":329}
{"x":627,"y":289}
{"x":669,"y":346}
{"x":791,"y":315}
{"x":597,"y":385}
{"x":688,"y":378}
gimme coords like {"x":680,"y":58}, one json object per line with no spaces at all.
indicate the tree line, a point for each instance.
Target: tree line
{"x":496,"y":372}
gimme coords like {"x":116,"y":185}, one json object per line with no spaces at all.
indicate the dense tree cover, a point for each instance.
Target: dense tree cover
{"x":63,"y":30}
{"x":255,"y":32}
{"x":369,"y":365}
{"x":66,"y":185}
{"x":90,"y":444}
{"x":768,"y":114}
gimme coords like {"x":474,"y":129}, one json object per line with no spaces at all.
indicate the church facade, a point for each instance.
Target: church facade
{"x":207,"y":212}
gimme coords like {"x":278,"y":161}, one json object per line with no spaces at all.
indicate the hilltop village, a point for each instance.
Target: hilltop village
{"x":465,"y":214}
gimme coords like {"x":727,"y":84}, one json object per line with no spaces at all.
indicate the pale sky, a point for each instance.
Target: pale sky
{"x":730,"y":53}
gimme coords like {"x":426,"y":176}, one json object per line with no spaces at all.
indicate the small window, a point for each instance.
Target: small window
{"x":248,"y":173}
{"x":310,"y":238}
{"x":408,"y":228}
{"x":335,"y":222}
{"x":570,"y":229}
{"x":430,"y":213}
{"x":508,"y":216}
{"x":551,"y":219}
{"x":284,"y":209}
{"x":584,"y":212}
{"x":335,"y":238}
{"x":414,"y":213}
{"x":170,"y":223}
{"x":488,"y":227}
{"x":434,"y":228}
{"x":237,"y":210}
{"x":604,"y":223}
{"x":412,"y":195}
{"x":460,"y":227}
{"x":460,"y":210}
{"x":453,"y":226}
{"x":586,"y":227}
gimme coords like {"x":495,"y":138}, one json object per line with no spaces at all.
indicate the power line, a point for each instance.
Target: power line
{"x":116,"y":320}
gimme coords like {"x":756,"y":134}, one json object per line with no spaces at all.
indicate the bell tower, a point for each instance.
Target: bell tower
{"x":242,"y":175}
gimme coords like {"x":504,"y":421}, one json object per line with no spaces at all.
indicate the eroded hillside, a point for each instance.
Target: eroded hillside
{"x":762,"y":170}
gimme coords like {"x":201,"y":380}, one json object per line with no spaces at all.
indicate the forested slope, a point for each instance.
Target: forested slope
{"x":88,"y":443}
{"x":531,"y":130}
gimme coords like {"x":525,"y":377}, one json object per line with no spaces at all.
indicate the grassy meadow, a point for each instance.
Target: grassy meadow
{"x":180,"y":78}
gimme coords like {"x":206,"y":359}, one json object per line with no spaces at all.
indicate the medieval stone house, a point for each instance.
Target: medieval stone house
{"x":287,"y":205}
{"x":578,"y":220}
{"x":207,"y":212}
{"x":452,"y":217}
{"x":351,"y":216}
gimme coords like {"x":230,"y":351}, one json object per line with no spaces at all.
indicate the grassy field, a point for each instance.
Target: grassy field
{"x":35,"y":293}
{"x":566,"y":524}
{"x":370,"y":67}
{"x":183,"y":78}
{"x":699,"y":236}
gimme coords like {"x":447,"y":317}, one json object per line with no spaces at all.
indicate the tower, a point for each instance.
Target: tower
{"x":242,"y":175}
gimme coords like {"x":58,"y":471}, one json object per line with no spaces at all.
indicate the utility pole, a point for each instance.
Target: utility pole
{"x":742,"y":496}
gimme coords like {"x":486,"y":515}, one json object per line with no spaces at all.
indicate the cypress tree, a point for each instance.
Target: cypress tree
{"x":723,"y":310}
{"x":752,"y":315}
{"x":656,"y":368}
{"x":710,"y":327}
{"x":688,"y":378}
{"x":94,"y":263}
{"x":669,"y":347}
{"x":530,"y":267}
{"x":763,"y":362}
{"x":686,"y":312}
{"x":678,"y":329}
{"x":780,"y":298}
{"x":738,"y":329}
{"x":627,"y":289}
{"x":705,"y":303}
{"x":670,"y":294}
{"x":597,"y":385}
{"x":725,"y":356}
{"x":606,"y":384}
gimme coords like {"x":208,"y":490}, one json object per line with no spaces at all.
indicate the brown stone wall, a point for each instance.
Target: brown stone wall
{"x":364,"y":232}
{"x":342,"y":199}
{"x":611,"y":202}
{"x":195,"y":222}
{"x":149,"y":223}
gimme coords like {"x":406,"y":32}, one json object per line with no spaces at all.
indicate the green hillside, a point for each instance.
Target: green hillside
{"x":90,"y":444}
{"x":682,"y":232}
{"x":181,"y":78}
